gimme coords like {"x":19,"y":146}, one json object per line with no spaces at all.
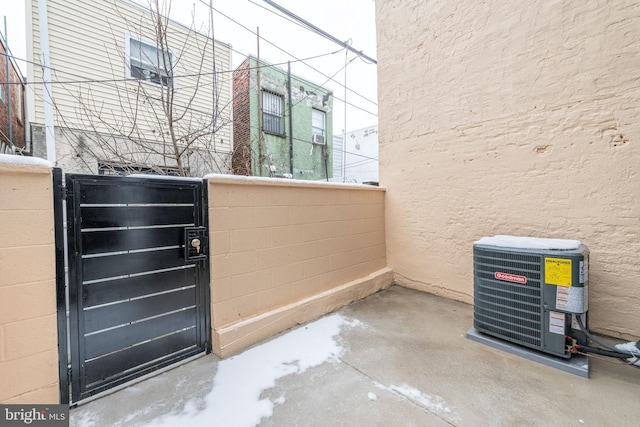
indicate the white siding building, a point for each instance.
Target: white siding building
{"x":103,"y":101}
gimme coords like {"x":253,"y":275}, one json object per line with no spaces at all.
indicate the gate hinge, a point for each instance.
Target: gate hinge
{"x":69,"y":374}
{"x":63,"y":191}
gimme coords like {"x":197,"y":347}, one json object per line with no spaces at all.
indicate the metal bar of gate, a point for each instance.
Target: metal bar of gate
{"x":61,"y":300}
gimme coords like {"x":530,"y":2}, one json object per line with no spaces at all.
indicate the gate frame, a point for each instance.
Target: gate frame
{"x":66,"y":300}
{"x":61,"y":299}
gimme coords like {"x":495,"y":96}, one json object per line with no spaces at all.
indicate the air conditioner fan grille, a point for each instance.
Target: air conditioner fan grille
{"x":509,"y":310}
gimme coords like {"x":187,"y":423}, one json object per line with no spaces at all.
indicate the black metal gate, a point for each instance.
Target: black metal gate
{"x":138,"y":292}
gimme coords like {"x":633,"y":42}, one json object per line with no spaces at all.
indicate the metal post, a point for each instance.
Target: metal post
{"x":290,"y":120}
{"x":260,"y":137}
{"x":46,"y":78}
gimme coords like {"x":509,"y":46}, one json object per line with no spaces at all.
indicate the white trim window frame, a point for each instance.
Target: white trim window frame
{"x":318,"y":122}
{"x":145,"y":62}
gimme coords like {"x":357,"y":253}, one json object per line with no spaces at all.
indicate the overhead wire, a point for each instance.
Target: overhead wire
{"x":293,"y":56}
{"x":326,"y":81}
{"x":280,"y":15}
{"x":111,"y":82}
{"x":301,"y":60}
{"x":81,"y":80}
{"x":104,"y":81}
{"x":318,"y":30}
{"x":196,"y":110}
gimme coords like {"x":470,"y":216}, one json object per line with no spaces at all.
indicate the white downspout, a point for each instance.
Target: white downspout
{"x":46,"y":78}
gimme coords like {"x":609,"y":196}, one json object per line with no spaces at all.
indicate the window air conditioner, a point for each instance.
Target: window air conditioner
{"x":318,"y":139}
{"x":528,"y":291}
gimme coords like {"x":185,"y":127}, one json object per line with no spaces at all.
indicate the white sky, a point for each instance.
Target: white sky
{"x":344,"y":19}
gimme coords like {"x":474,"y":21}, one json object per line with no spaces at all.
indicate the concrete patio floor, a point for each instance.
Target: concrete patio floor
{"x":407,"y":364}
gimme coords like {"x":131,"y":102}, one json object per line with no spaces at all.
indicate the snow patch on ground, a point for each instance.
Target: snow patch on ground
{"x":631,"y":347}
{"x":372,"y":396}
{"x":434,"y":404}
{"x":86,"y":420}
{"x":24,"y":160}
{"x":236,"y":398}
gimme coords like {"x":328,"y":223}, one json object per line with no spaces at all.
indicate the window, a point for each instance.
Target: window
{"x":318,"y":126}
{"x":3,"y":96}
{"x":272,"y":117}
{"x":147,"y":62}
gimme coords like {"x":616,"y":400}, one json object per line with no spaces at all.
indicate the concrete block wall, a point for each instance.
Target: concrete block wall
{"x":28,"y":325}
{"x":285,"y":252}
{"x":512,"y":118}
{"x":282,"y":253}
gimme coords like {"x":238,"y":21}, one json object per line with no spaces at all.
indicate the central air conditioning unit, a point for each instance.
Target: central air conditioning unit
{"x":317,"y":139}
{"x":529,"y":290}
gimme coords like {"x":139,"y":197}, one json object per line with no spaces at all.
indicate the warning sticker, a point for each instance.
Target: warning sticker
{"x":570,"y":299}
{"x":557,"y":271}
{"x":556,"y":322}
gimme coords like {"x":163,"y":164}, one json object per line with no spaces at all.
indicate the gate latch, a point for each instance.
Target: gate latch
{"x":195,"y":243}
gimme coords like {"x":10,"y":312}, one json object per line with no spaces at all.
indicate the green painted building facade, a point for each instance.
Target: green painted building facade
{"x":281,"y":128}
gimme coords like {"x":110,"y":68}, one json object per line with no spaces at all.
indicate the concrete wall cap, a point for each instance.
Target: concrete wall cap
{"x":22,"y":164}
{"x":23,"y":160}
{"x":261,"y":180}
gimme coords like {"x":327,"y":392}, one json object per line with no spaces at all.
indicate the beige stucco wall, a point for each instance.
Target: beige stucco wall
{"x":285,"y":252}
{"x":28,"y":328}
{"x":516,"y":118}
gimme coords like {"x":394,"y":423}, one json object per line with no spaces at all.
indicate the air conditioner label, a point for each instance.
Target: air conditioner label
{"x":557,"y":271}
{"x":570,"y":299}
{"x":510,"y":277}
{"x":556,"y":322}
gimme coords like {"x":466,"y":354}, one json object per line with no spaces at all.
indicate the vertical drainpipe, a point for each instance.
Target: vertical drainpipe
{"x":9,"y":116}
{"x":25,"y":116}
{"x":290,"y":120}
{"x":46,"y":78}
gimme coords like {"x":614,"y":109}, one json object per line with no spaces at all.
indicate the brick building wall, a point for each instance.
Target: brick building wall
{"x":514,"y":118}
{"x":16,"y":91}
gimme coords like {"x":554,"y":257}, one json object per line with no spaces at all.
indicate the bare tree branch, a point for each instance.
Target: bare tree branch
{"x":152,"y":125}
